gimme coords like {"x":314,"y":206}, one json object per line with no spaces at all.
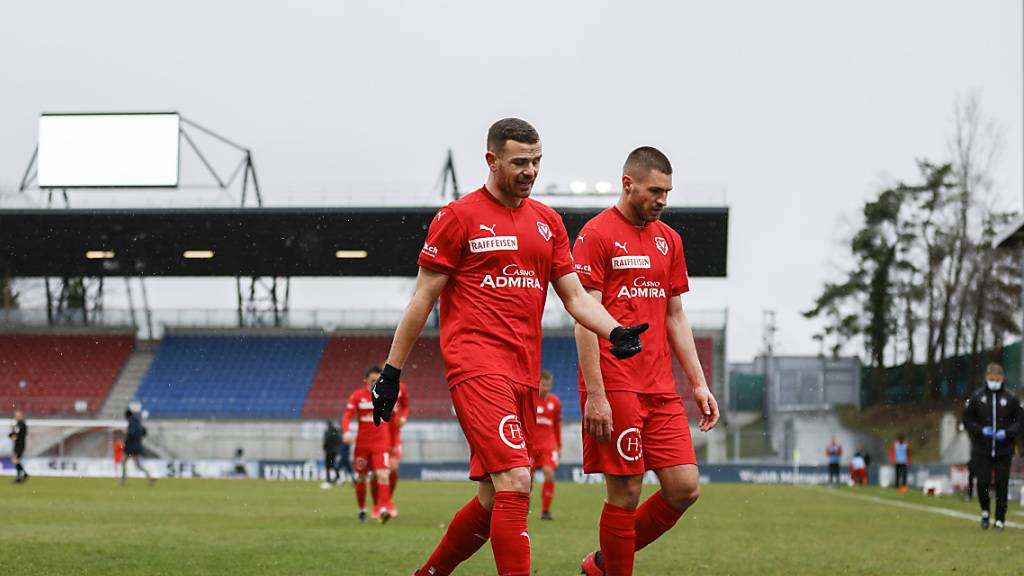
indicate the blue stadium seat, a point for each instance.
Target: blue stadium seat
{"x":231,"y":376}
{"x":558,"y":354}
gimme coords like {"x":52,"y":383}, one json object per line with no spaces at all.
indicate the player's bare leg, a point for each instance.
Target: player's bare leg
{"x":547,"y":492}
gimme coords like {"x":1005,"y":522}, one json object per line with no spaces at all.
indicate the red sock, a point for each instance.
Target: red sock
{"x":373,"y":487}
{"x":383,"y":496}
{"x":617,"y":537}
{"x":653,"y":518}
{"x":393,"y":480}
{"x":467,"y":532}
{"x":510,"y":539}
{"x":546,"y":493}
{"x":361,"y":495}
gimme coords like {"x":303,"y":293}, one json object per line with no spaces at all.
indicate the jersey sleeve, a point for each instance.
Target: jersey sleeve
{"x":446,"y":240}
{"x":404,"y":408}
{"x":591,"y":261}
{"x":561,"y":257}
{"x":678,"y":279}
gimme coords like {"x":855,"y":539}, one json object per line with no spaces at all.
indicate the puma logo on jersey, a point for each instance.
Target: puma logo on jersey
{"x":623,"y":246}
{"x":489,"y":229}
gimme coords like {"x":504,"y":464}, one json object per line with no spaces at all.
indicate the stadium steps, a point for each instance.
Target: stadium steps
{"x":128,"y":380}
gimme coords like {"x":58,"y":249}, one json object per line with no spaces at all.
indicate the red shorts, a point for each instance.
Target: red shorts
{"x":497,"y":416}
{"x":649,"y":431}
{"x":545,"y":456}
{"x":365,"y":460}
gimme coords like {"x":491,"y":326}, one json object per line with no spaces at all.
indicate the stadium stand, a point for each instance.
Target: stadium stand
{"x":47,"y":374}
{"x":204,"y":376}
{"x":345,"y":360}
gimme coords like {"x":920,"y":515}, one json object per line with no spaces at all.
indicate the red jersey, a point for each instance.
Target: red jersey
{"x":547,"y":435}
{"x":499,"y":261}
{"x":400,"y":412}
{"x":637,"y":270}
{"x":370,"y":437}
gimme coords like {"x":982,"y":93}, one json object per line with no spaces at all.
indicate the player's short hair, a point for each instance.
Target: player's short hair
{"x":546,"y":375}
{"x":995,"y":367}
{"x":373,"y":369}
{"x":646,"y":158}
{"x":510,"y":129}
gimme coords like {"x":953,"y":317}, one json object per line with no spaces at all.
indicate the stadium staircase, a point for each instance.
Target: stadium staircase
{"x":129,"y":379}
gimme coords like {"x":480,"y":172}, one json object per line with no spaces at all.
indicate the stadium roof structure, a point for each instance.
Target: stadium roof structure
{"x":269,"y":242}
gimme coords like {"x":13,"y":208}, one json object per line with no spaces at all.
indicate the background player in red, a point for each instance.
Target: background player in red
{"x":490,"y":257}
{"x":548,"y":443}
{"x":634,"y":419}
{"x":397,"y":422}
{"x":373,"y":447}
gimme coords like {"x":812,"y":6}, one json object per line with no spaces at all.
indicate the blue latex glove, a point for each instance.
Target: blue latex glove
{"x":987,"y":431}
{"x":1000,"y":435}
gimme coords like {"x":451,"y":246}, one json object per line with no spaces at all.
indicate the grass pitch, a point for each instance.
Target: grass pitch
{"x":91,"y":526}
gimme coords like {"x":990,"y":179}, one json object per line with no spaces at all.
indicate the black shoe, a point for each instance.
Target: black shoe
{"x":984,"y":522}
{"x":546,"y":516}
{"x":362,"y":516}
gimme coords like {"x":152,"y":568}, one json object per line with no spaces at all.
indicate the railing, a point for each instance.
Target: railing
{"x":555,"y":317}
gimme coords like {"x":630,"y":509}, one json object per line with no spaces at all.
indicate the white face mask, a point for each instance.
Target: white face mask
{"x":994,"y":385}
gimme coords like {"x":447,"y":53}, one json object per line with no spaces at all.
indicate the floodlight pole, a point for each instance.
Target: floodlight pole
{"x":449,"y":171}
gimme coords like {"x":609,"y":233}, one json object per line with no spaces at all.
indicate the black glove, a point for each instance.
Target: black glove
{"x":626,"y":341}
{"x":385,"y":394}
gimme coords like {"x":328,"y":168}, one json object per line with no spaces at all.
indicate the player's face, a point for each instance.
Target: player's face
{"x":647,"y":193}
{"x":515,"y":168}
{"x":371,"y":379}
{"x":545,"y":387}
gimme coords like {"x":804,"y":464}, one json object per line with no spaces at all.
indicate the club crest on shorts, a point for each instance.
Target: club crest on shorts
{"x":510,"y":430}
{"x":545,"y":231}
{"x":662,"y":245}
{"x":629,"y":445}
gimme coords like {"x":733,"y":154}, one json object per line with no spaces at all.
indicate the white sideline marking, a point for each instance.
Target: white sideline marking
{"x":909,"y":506}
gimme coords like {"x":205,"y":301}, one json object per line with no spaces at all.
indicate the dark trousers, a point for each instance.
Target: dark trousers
{"x":971,"y":477}
{"x":330,"y":466}
{"x":343,"y":461}
{"x":1000,"y":467}
{"x":901,"y":475}
{"x":833,"y":473}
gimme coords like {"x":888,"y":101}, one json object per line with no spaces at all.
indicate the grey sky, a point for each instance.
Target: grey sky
{"x":791,"y":113}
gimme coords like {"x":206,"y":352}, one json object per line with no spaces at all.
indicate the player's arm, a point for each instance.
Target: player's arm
{"x":971,"y":421}
{"x":429,"y":284}
{"x":680,"y":338}
{"x":346,"y":421}
{"x":597,"y":413}
{"x":591,"y":314}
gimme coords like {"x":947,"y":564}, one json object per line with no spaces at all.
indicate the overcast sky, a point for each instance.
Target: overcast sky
{"x":789,"y":113}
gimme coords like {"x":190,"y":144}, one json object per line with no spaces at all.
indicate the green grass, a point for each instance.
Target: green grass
{"x":85,"y":526}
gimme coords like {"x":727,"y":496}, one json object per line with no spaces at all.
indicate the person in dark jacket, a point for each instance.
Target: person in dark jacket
{"x":18,"y":435}
{"x":332,"y":442}
{"x":133,"y":445}
{"x":993,"y":418}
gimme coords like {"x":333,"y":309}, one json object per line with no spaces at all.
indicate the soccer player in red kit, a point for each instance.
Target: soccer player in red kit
{"x":373,"y":448}
{"x":401,"y":417}
{"x":634,"y":419}
{"x":548,"y":443}
{"x":490,"y":256}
